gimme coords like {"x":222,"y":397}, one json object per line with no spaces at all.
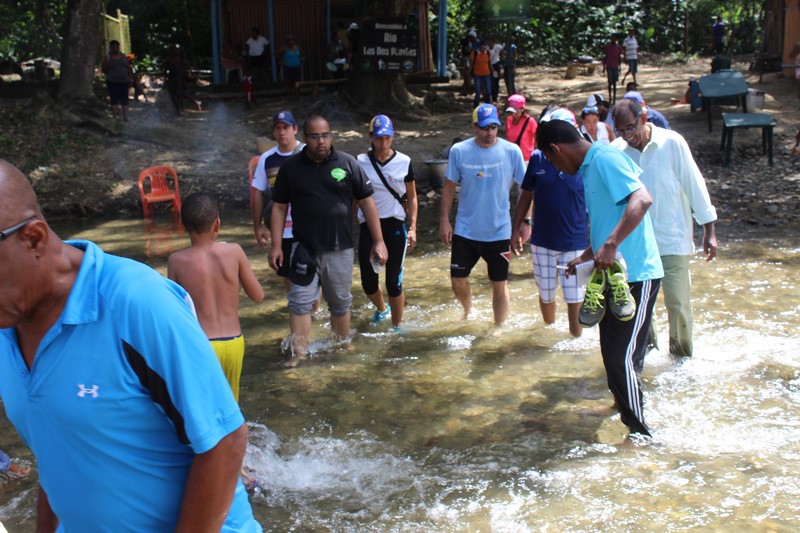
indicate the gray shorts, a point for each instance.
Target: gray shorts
{"x":335,"y":273}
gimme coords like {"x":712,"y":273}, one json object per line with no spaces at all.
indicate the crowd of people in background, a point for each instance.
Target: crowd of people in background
{"x":485,"y":62}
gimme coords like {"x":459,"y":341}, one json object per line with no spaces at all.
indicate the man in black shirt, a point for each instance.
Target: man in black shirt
{"x":321,"y":184}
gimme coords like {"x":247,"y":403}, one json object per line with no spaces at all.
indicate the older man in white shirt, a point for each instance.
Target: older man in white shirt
{"x":679,"y":191}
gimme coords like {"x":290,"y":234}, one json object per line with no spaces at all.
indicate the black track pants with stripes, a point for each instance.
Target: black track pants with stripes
{"x":624,"y":345}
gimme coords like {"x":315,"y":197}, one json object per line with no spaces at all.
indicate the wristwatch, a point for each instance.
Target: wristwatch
{"x":527,"y":222}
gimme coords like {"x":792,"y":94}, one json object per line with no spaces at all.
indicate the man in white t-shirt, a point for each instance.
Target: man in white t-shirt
{"x":256,"y":48}
{"x":284,"y":131}
{"x":495,"y":52}
{"x":631,"y":46}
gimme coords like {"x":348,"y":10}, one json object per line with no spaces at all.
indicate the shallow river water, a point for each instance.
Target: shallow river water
{"x":455,"y":427}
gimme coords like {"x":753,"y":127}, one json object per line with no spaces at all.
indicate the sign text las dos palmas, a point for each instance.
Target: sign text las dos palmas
{"x":389,"y":46}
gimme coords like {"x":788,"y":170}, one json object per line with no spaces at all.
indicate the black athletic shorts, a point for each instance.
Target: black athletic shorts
{"x":118,"y":93}
{"x":257,"y":61}
{"x":466,"y":252}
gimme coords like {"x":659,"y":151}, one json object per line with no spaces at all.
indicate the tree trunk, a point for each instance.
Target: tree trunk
{"x":387,"y":92}
{"x":81,"y":39}
{"x":773,"y":20}
{"x":187,"y":28}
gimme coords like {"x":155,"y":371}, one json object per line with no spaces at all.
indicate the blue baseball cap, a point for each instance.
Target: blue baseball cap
{"x":484,"y":115}
{"x":381,"y":126}
{"x":285,"y":117}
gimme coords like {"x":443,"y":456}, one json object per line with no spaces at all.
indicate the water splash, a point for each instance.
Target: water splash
{"x":356,"y":473}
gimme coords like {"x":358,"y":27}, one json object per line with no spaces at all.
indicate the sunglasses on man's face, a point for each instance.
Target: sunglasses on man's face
{"x":490,"y":127}
{"x":626,"y":132}
{"x":6,"y":233}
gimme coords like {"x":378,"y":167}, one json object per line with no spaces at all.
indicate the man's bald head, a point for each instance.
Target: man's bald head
{"x":313,"y":120}
{"x":17,"y":198}
{"x":37,"y":269}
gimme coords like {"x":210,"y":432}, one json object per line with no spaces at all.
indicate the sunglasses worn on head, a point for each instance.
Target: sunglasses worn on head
{"x":6,"y":233}
{"x":490,"y":127}
{"x":318,"y":136}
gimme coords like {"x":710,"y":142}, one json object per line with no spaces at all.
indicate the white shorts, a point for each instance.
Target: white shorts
{"x":548,"y":277}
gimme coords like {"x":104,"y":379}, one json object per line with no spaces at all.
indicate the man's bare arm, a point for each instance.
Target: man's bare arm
{"x":46,"y":520}
{"x":211,"y":484}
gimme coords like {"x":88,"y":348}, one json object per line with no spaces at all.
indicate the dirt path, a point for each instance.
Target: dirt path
{"x":211,"y":148}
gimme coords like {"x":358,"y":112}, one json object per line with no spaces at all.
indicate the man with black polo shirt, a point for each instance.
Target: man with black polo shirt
{"x":321,"y":184}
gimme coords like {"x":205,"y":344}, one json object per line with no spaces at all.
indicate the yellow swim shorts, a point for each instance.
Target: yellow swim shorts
{"x":230,"y":352}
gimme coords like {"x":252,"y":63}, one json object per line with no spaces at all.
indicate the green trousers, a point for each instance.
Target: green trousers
{"x":676,"y":286}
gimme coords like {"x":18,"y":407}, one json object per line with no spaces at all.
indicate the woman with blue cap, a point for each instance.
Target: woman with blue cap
{"x":392,"y":178}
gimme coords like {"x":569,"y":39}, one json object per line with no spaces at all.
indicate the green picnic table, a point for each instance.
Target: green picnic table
{"x":722,"y":85}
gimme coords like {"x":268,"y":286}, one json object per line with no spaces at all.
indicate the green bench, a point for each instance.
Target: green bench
{"x":731,"y":121}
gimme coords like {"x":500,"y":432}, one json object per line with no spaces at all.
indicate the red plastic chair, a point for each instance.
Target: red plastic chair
{"x":251,"y":172}
{"x":159,"y":189}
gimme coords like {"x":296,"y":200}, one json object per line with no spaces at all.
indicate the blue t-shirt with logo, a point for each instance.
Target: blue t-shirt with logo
{"x":559,"y":208}
{"x":610,"y":178}
{"x":485,"y":176}
{"x":123,"y":392}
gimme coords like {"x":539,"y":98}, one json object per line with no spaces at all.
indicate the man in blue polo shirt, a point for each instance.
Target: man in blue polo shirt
{"x":560,"y":232}
{"x":617,"y":203}
{"x":110,"y":381}
{"x":486,"y":167}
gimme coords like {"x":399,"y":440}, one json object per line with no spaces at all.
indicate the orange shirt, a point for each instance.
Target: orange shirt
{"x":480,"y":64}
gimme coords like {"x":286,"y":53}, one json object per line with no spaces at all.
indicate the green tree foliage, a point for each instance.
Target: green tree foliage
{"x":155,"y":26}
{"x":31,"y":28}
{"x":559,"y":30}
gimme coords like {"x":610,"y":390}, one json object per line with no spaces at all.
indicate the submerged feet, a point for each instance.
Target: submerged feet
{"x":380,"y":316}
{"x":291,"y":362}
{"x":294,"y":352}
{"x":250,"y":483}
{"x":18,"y":471}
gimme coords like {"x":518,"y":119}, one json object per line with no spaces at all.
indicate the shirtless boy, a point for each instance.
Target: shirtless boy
{"x":211,"y":272}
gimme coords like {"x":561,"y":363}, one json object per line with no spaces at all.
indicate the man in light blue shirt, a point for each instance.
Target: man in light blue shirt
{"x":108,"y":378}
{"x":485,"y":167}
{"x":617,"y":203}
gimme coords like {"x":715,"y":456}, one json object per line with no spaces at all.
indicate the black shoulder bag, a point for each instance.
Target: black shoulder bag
{"x":402,"y":199}
{"x":527,"y":119}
